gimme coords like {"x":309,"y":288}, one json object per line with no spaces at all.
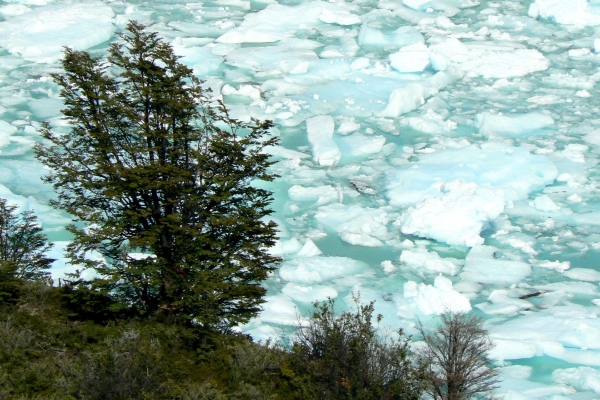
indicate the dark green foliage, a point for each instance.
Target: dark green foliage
{"x":343,"y":357}
{"x":22,"y":250}
{"x":152,"y":167}
{"x":22,"y":244}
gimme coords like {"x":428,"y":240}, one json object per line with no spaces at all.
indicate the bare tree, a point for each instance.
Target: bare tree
{"x":456,"y":352}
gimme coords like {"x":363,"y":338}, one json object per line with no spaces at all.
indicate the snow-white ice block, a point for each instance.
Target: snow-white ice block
{"x":422,"y":299}
{"x":277,"y":22}
{"x":6,"y":131}
{"x":582,"y":378}
{"x":354,"y":224}
{"x":359,"y":145}
{"x":41,"y":34}
{"x":512,"y":126}
{"x":309,"y":294}
{"x":413,"y":94}
{"x":420,"y":5}
{"x":513,"y":169}
{"x":403,"y":36}
{"x":319,"y":194}
{"x":502,"y":303}
{"x":320,"y":135}
{"x":458,"y":216}
{"x":423,"y":259}
{"x":570,"y":333}
{"x":570,"y":12}
{"x":583,"y":274}
{"x":488,"y":62}
{"x":271,"y":60}
{"x":481,"y":266}
{"x":413,"y":58}
{"x":311,"y":270}
{"x":281,"y":310}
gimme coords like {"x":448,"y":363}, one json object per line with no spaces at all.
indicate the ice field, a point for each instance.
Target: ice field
{"x":435,"y":154}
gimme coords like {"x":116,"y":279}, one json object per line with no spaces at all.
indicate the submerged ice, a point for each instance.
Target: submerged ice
{"x":434,"y":155}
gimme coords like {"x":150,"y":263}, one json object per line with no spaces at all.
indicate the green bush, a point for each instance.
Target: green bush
{"x":344,"y":357}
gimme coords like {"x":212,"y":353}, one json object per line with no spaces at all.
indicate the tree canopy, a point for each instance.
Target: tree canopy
{"x":162,"y":184}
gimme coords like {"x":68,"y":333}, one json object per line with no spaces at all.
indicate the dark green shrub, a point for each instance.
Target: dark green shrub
{"x":344,"y":357}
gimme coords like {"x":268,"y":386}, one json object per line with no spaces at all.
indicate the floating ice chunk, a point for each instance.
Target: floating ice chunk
{"x":6,"y":131}
{"x":279,"y":309}
{"x":456,"y":218}
{"x":574,"y":152}
{"x":360,"y":63}
{"x":502,"y":303}
{"x":439,"y":62}
{"x":320,"y":135}
{"x":355,"y":224}
{"x":387,"y":267}
{"x":545,"y":203}
{"x":431,"y":261}
{"x":511,"y":350}
{"x":46,"y":108}
{"x":570,"y":333}
{"x":431,"y":299}
{"x":403,"y":36}
{"x":481,"y":266}
{"x":309,"y":294}
{"x":348,"y":125}
{"x":277,"y":22}
{"x":413,"y":95}
{"x":310,"y":270}
{"x":419,"y":5}
{"x":362,"y":145}
{"x":491,"y":62}
{"x":592,"y":137}
{"x":244,"y":90}
{"x":582,"y":378}
{"x":545,"y":99}
{"x":512,"y":169}
{"x":431,"y":122}
{"x":555,"y":265}
{"x":269,"y":61}
{"x":41,"y":34}
{"x":583,"y":274}
{"x":570,"y":12}
{"x":512,"y":125}
{"x":282,"y":247}
{"x":340,"y":17}
{"x":281,"y":152}
{"x":413,"y":58}
{"x":319,"y":194}
{"x":12,"y":10}
{"x":309,"y":249}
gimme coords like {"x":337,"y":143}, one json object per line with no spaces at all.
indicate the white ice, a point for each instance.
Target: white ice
{"x":458,"y":216}
{"x":422,"y":299}
{"x":41,"y":34}
{"x":512,"y":126}
{"x":482,"y":266}
{"x":355,"y":224}
{"x":311,"y":270}
{"x":320,"y":135}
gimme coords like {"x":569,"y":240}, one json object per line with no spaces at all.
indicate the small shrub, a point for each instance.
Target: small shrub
{"x":344,"y":357}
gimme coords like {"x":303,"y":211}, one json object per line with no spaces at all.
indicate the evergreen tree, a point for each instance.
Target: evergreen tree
{"x":162,"y":183}
{"x":22,"y":245}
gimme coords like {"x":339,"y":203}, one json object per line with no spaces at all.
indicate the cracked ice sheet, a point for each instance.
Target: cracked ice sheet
{"x":570,"y":333}
{"x":41,"y":34}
